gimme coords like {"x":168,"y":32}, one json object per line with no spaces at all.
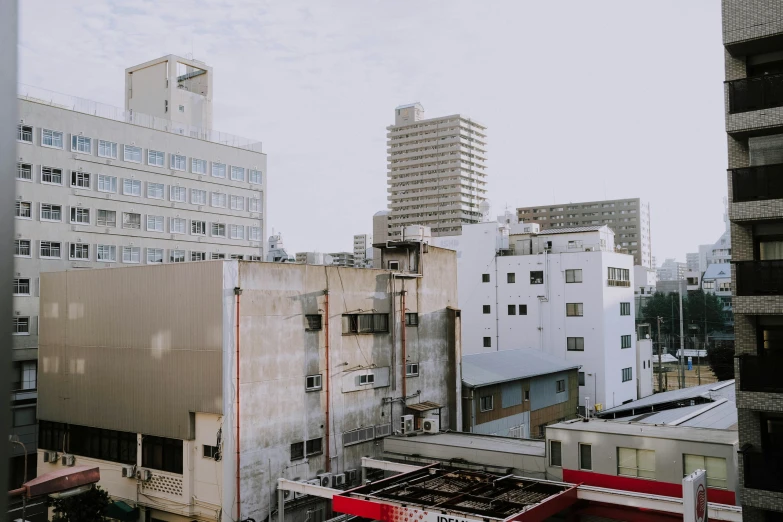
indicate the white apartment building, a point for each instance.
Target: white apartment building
{"x":436,"y":172}
{"x":671,"y":270}
{"x":564,"y":292}
{"x":231,"y":371}
{"x":98,"y":186}
{"x":313,"y":258}
{"x":362,"y":250}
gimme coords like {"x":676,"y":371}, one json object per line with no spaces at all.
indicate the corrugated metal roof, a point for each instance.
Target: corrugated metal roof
{"x":483,"y":369}
{"x":712,"y":390}
{"x":571,"y":230}
{"x":719,"y":436}
{"x":721,"y":417}
{"x":474,"y":441}
{"x":424,"y":406}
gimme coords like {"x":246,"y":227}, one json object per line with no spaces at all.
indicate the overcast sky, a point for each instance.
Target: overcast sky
{"x":582,"y":100}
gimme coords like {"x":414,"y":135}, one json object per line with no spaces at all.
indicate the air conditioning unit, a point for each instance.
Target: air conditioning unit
{"x":68,"y":460}
{"x":406,"y":424}
{"x":144,"y":475}
{"x":129,"y":472}
{"x":50,"y":456}
{"x":350,"y":476}
{"x":339,"y":480}
{"x":287,"y":495}
{"x":325,"y":480}
{"x":431,"y":425}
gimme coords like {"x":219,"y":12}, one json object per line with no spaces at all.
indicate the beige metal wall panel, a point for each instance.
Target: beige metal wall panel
{"x":162,"y":329}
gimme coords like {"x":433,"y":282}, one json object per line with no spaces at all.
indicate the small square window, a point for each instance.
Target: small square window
{"x":211,"y":452}
{"x":523,"y":309}
{"x":24,"y":171}
{"x":511,"y":277}
{"x":156,"y":158}
{"x":21,"y":326}
{"x":560,"y":386}
{"x":512,"y":309}
{"x":22,"y":286}
{"x":487,"y":309}
{"x":411,"y":319}
{"x":366,"y":379}
{"x":573,"y":275}
{"x":297,"y":450}
{"x":487,"y":403}
{"x":411,"y":369}
{"x":394,"y":265}
{"x":625,"y":341}
{"x":485,"y":278}
{"x":313,"y":382}
{"x":625,"y":308}
{"x":131,"y":153}
{"x":313,"y":321}
{"x":585,"y":457}
{"x":181,"y":108}
{"x":555,"y":453}
{"x":24,"y":133}
{"x":536,"y":277}
{"x":24,"y":210}
{"x":198,"y":256}
{"x":575,"y":344}
{"x":581,"y":378}
{"x":574,"y":309}
{"x":487,"y":342}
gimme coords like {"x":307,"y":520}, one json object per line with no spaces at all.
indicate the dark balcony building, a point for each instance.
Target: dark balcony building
{"x":753,"y":41}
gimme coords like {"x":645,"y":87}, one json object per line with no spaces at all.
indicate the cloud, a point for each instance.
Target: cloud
{"x":581,"y":99}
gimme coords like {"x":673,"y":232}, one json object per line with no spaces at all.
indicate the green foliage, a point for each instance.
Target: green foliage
{"x":721,"y":359}
{"x":86,"y":507}
{"x":694,"y":307}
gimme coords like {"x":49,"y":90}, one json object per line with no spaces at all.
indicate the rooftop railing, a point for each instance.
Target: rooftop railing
{"x":102,"y":110}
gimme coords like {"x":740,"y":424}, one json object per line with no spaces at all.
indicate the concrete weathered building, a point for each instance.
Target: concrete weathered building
{"x":99,"y":186}
{"x":753,"y":51}
{"x":284,"y":370}
{"x":517,"y":393}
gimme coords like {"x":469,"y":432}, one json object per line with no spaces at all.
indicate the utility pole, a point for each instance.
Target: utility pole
{"x":682,"y":338}
{"x":660,"y":366}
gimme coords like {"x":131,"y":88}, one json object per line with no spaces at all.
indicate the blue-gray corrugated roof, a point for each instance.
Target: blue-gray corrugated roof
{"x":483,"y":369}
{"x":714,"y":390}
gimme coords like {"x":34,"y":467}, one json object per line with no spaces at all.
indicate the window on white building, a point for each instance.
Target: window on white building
{"x":24,"y":210}
{"x":107,"y":149}
{"x":107,"y":253}
{"x":219,"y":200}
{"x":81,"y":144}
{"x":237,"y":203}
{"x":573,"y":275}
{"x":178,"y":162}
{"x":21,"y":286}
{"x":632,"y":462}
{"x":198,"y":228}
{"x":156,"y":158}
{"x":255,"y":177}
{"x":198,"y":166}
{"x":107,"y":183}
{"x":178,"y":194}
{"x":218,"y":230}
{"x":106,"y":218}
{"x":24,"y":133}
{"x":237,"y":173}
{"x":575,"y":344}
{"x":717,"y":472}
{"x":131,"y":220}
{"x":155,"y":190}
{"x":51,"y":176}
{"x":21,"y":326}
{"x":51,"y":138}
{"x":219,"y":170}
{"x":155,"y":223}
{"x":254,"y":204}
{"x":177,"y":225}
{"x":131,"y":187}
{"x":79,"y":251}
{"x":176,"y":256}
{"x":50,"y":250}
{"x":24,"y":171}
{"x":574,"y":309}
{"x":198,"y":256}
{"x":154,"y":255}
{"x":254,"y":233}
{"x":80,"y":179}
{"x":131,"y":153}
{"x":237,"y":231}
{"x":198,"y":197}
{"x":80,"y":215}
{"x":131,"y":254}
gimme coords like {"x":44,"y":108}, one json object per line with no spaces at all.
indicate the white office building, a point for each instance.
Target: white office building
{"x":362,"y":250}
{"x":565,"y":292}
{"x":98,"y":186}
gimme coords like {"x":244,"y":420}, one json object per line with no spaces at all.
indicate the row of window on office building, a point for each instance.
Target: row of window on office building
{"x":571,"y":276}
{"x":133,"y":187}
{"x":133,"y":154}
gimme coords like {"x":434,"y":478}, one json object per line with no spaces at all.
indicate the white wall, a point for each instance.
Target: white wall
{"x":644,"y":371}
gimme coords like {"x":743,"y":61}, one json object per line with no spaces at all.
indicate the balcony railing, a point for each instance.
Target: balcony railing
{"x":618,"y":282}
{"x":752,"y":94}
{"x":760,"y":277}
{"x":757,"y":183}
{"x":763,"y":471}
{"x":761,"y":373}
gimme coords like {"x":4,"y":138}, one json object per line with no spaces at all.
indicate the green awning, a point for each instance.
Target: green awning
{"x":119,"y":510}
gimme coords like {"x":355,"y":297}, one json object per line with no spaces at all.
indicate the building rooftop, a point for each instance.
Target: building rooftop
{"x":717,"y":271}
{"x":483,"y":369}
{"x":473,"y":441}
{"x":625,"y":427}
{"x":674,"y":399}
{"x":571,"y":230}
{"x":102,"y":110}
{"x":461,"y":492}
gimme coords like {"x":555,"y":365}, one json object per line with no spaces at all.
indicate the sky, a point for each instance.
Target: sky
{"x":582,"y":100}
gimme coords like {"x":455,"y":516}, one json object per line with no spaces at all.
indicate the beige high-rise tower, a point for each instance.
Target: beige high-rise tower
{"x":436,"y":174}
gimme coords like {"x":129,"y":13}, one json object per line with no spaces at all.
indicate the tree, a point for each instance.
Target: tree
{"x":696,"y":304}
{"x":86,"y":507}
{"x":721,"y":358}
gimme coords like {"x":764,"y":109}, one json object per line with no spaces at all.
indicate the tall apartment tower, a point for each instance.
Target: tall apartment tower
{"x":628,"y":218}
{"x":753,"y":42}
{"x":98,"y":186}
{"x":361,"y":244}
{"x":436,"y":172}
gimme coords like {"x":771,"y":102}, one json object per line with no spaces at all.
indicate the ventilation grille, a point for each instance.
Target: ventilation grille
{"x":164,"y":484}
